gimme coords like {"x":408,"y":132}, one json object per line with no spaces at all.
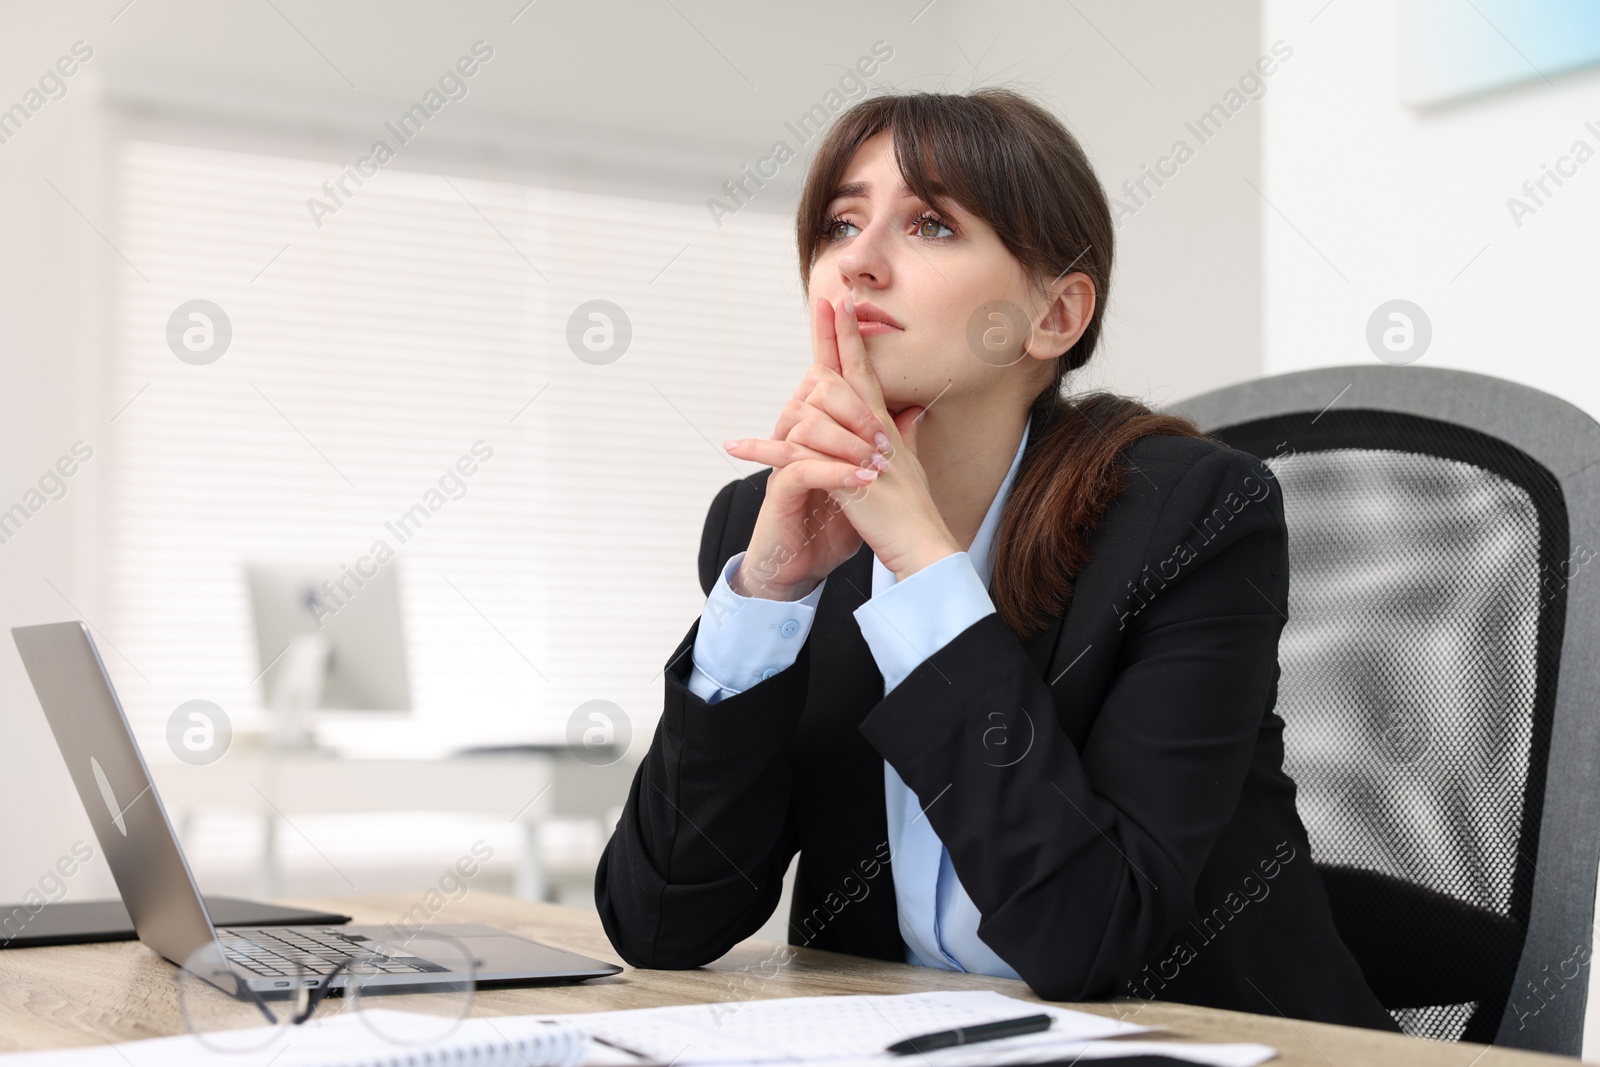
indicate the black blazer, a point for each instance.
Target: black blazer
{"x":1111,"y":793}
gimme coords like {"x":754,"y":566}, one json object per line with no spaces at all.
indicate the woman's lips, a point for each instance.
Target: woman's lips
{"x":871,"y":328}
{"x":868,"y":312}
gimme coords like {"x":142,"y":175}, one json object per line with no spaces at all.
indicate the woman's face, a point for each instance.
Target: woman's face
{"x":931,"y":274}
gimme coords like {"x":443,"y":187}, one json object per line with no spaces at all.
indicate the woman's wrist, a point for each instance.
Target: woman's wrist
{"x":766,"y":590}
{"x":924,"y":556}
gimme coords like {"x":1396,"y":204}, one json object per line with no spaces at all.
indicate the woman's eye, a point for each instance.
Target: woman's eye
{"x":927,"y":226}
{"x":830,"y":229}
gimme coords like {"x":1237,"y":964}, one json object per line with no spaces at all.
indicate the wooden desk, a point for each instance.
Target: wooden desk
{"x":87,"y":994}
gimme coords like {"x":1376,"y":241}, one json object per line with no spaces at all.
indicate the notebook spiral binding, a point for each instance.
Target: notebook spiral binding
{"x":558,"y":1045}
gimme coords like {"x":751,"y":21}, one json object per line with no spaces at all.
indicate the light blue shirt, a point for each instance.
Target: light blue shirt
{"x":744,"y":640}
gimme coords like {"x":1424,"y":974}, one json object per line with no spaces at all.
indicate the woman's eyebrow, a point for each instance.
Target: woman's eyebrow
{"x":864,"y":188}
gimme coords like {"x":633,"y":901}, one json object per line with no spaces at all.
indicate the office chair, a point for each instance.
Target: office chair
{"x":1440,"y":681}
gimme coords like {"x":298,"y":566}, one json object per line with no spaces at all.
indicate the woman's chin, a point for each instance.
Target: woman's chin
{"x":896,"y":404}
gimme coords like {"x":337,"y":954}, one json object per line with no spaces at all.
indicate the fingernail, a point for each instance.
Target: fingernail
{"x":866,"y":475}
{"x":849,"y":305}
{"x":882,"y":440}
{"x":731,"y":445}
{"x":880,"y":461}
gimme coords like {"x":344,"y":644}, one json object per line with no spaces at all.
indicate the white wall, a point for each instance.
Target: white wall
{"x":52,"y":267}
{"x":1379,"y":201}
{"x":1184,"y":314}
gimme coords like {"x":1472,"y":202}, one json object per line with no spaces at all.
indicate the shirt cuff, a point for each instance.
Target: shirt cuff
{"x":914,"y":618}
{"x":745,"y":640}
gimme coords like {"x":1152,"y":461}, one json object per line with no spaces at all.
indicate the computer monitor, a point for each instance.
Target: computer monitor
{"x":328,"y":637}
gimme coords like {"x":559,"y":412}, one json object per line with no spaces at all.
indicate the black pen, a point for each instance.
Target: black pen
{"x":966,"y":1035}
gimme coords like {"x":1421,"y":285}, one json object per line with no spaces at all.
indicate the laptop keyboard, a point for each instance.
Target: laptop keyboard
{"x":289,"y":951}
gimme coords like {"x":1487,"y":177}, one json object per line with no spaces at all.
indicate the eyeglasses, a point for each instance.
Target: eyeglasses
{"x":253,"y":992}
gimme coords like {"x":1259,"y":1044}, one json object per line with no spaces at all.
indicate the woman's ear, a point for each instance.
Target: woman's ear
{"x":1068,"y":307}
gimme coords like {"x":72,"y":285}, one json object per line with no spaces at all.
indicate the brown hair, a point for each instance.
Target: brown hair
{"x":1010,"y":162}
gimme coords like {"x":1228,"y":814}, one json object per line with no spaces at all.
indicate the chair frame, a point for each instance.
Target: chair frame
{"x":1547,"y":1006}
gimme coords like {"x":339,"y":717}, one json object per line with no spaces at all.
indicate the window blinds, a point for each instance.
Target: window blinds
{"x":427,"y":319}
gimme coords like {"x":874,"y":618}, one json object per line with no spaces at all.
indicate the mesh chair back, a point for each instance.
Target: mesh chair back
{"x":1432,"y":576}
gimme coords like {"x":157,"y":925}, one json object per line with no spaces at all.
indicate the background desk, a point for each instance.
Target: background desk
{"x":278,"y":785}
{"x":86,"y":994}
{"x":525,"y":787}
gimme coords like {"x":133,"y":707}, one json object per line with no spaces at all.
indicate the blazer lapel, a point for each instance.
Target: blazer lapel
{"x":1042,"y":647}
{"x":838,"y":780}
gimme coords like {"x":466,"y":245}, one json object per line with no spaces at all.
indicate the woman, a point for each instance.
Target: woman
{"x":1069,"y":772}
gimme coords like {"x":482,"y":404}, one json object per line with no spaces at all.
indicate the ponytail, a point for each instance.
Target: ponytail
{"x":1061,"y":493}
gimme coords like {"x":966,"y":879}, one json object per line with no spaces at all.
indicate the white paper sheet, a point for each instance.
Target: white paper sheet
{"x":802,"y":1029}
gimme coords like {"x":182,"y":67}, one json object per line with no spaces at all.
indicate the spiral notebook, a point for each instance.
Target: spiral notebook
{"x":348,"y":1040}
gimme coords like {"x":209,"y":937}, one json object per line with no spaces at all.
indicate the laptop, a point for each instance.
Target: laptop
{"x":159,"y":890}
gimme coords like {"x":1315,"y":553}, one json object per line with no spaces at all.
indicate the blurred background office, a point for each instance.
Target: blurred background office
{"x":266,"y":387}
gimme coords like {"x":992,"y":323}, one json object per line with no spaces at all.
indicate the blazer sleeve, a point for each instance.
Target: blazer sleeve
{"x":697,"y":860}
{"x":1084,"y":864}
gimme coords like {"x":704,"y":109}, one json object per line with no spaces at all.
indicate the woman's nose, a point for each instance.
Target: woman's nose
{"x":866,"y":259}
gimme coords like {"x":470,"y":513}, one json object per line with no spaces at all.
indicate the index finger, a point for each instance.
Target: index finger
{"x":824,"y":340}
{"x":852,"y":350}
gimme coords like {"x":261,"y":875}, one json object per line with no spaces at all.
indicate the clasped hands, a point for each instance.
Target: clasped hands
{"x":844,"y":471}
